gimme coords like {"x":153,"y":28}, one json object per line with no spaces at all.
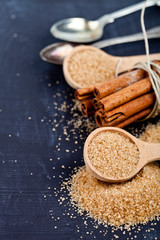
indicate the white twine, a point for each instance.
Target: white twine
{"x":117,"y":66}
{"x":152,"y":68}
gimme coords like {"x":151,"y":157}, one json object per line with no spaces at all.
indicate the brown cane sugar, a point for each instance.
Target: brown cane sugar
{"x":151,"y":133}
{"x":113,"y":154}
{"x":127,"y":203}
{"x":136,"y":201}
{"x":90,"y":66}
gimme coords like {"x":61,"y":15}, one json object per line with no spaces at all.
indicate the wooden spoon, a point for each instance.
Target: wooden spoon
{"x":148,"y":152}
{"x":87,"y":65}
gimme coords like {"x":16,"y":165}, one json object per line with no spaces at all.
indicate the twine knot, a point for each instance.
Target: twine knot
{"x":153,"y":71}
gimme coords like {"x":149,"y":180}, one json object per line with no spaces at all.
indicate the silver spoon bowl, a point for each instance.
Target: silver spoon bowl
{"x":81,"y":30}
{"x":56,"y":52}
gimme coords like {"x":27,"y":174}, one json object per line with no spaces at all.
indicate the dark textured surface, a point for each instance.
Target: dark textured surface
{"x":27,"y":114}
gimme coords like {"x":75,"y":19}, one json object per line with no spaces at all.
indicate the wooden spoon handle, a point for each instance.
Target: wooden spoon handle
{"x":149,"y":152}
{"x":128,"y":62}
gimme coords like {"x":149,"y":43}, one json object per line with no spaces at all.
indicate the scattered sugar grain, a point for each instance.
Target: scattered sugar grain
{"x":18,"y":74}
{"x":15,"y":35}
{"x":13,"y":16}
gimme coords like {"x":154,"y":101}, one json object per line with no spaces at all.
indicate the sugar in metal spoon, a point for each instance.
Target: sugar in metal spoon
{"x":81,"y":30}
{"x":148,"y":152}
{"x":55,"y":53}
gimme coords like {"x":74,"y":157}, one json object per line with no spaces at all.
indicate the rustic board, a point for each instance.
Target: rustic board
{"x":33,"y":148}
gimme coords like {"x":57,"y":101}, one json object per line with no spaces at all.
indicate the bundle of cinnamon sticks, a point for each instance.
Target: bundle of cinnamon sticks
{"x":119,"y":101}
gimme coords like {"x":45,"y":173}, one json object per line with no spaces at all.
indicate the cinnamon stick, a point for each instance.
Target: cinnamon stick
{"x":128,"y":109}
{"x":99,"y":118}
{"x":126,"y":94}
{"x":104,"y":89}
{"x":134,"y":118}
{"x":84,"y":93}
{"x":96,"y":103}
{"x":100,"y":121}
{"x":119,"y":101}
{"x":87,"y":108}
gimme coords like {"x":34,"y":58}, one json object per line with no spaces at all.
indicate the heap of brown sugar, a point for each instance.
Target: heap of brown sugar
{"x":128,"y":203}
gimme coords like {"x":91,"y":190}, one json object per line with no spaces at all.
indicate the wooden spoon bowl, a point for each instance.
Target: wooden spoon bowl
{"x":148,"y":152}
{"x":87,"y":65}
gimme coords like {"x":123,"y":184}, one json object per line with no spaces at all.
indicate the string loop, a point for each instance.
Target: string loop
{"x":151,"y":68}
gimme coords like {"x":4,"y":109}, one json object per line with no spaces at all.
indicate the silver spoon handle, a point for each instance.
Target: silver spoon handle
{"x":152,"y":33}
{"x":108,"y":18}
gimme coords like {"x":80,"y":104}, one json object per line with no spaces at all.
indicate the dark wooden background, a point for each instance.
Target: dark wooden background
{"x":30,"y":163}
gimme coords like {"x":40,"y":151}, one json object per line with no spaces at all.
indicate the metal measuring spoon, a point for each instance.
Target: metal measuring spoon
{"x":148,"y":152}
{"x":56,"y":52}
{"x":81,"y":30}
